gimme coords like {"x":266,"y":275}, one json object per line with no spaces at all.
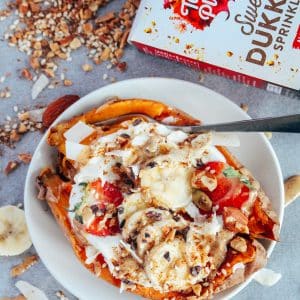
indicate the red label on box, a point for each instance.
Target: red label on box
{"x":296,"y":43}
{"x":200,"y":13}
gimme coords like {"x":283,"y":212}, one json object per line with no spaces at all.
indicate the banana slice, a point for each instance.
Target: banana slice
{"x":130,"y":205}
{"x":153,"y":234}
{"x":14,"y":235}
{"x":166,"y":266}
{"x":140,"y":219}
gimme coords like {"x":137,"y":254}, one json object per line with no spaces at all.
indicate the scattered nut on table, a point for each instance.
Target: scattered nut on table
{"x":292,"y":189}
{"x":27,"y":263}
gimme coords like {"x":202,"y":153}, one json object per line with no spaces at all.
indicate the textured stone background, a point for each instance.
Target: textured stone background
{"x":285,"y":258}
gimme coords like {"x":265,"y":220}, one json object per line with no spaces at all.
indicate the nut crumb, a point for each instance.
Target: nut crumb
{"x":68,"y":82}
{"x":229,"y":53}
{"x":239,"y":244}
{"x":25,"y":73}
{"x":87,"y":68}
{"x":148,"y":30}
{"x":60,"y":295}
{"x":11,"y":166}
{"x":244,"y":107}
{"x":27,"y":263}
{"x":25,"y":157}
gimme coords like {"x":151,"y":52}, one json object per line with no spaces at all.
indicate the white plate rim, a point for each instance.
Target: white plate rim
{"x":144,"y":80}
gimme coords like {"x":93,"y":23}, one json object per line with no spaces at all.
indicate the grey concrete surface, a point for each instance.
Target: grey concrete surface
{"x":285,"y":258}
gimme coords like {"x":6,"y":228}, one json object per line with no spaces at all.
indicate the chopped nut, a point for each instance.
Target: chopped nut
{"x":87,"y":28}
{"x":25,"y":73}
{"x":239,"y":244}
{"x":54,"y":30}
{"x":34,"y":63}
{"x":148,"y":30}
{"x":234,"y":220}
{"x":75,"y":44}
{"x":229,"y":53}
{"x":14,"y":136}
{"x":87,"y":68}
{"x":68,"y":82}
{"x":22,"y":128}
{"x":210,"y":183}
{"x":244,"y":107}
{"x":11,"y":166}
{"x":27,"y":263}
{"x":25,"y":157}
{"x":105,"y":54}
{"x":60,"y":295}
{"x":49,"y":73}
{"x":197,"y":288}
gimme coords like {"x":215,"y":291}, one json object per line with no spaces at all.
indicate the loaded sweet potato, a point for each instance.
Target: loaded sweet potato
{"x":158,"y":212}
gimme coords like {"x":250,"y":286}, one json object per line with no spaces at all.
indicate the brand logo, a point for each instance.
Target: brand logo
{"x":199,"y":13}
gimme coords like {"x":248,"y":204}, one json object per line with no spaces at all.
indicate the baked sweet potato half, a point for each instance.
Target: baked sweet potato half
{"x":158,"y":212}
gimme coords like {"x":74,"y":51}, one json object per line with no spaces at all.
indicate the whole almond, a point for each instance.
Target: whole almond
{"x":55,"y":108}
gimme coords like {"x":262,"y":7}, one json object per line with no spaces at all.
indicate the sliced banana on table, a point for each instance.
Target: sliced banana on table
{"x":14,"y":235}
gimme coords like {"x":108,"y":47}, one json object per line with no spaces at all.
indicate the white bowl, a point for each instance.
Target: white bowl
{"x":53,"y":248}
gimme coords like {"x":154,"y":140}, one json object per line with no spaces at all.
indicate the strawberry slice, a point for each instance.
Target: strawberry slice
{"x":106,"y":194}
{"x":111,"y":227}
{"x":229,"y":192}
{"x":216,"y":166}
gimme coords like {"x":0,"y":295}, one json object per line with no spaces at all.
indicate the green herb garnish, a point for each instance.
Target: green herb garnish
{"x":84,"y":184}
{"x":232,"y":173}
{"x":246,"y":182}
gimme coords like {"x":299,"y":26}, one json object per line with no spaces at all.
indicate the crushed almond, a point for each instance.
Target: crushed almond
{"x":239,"y":244}
{"x":25,"y":157}
{"x":244,"y":107}
{"x":87,"y":68}
{"x":60,"y":295}
{"x":68,"y":82}
{"x":47,"y":32}
{"x":27,"y":263}
{"x":11,"y":166}
{"x":25,"y":73}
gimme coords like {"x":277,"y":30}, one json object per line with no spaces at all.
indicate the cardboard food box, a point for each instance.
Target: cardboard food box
{"x":256,"y":42}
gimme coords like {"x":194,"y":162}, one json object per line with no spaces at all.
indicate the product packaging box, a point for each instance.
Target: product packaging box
{"x":256,"y":42}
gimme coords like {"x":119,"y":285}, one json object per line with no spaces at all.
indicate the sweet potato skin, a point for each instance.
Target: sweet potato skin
{"x":115,"y":108}
{"x":110,"y":110}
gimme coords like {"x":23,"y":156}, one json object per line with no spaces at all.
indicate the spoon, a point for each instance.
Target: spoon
{"x":289,"y":123}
